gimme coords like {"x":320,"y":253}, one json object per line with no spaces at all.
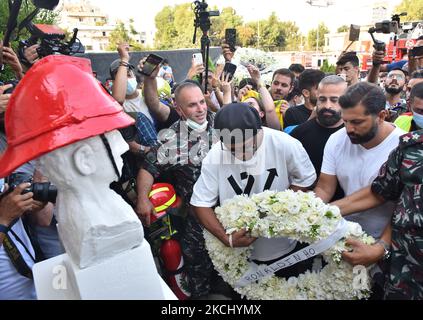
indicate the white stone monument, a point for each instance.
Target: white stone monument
{"x":106,"y":255}
{"x":60,"y":115}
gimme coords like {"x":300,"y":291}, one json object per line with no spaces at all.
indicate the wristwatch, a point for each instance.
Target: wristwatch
{"x":4,"y":229}
{"x":142,"y":149}
{"x":386,"y":248}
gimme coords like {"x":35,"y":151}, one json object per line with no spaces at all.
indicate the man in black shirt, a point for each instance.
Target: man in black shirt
{"x":314,"y":133}
{"x":308,"y":82}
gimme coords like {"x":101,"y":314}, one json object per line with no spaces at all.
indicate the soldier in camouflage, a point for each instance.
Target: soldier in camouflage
{"x":179,"y":155}
{"x":400,"y":179}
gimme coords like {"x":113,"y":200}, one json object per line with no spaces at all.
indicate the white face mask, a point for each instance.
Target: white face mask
{"x":197,"y":127}
{"x":418,"y":119}
{"x":131,"y":86}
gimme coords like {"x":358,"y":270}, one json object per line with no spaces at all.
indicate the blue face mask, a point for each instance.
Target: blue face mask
{"x":418,"y":119}
{"x":131,"y":86}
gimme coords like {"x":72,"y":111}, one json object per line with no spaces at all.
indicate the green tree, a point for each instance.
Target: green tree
{"x":122,"y":35}
{"x":227,"y":19}
{"x":184,"y":25}
{"x":326,"y":67}
{"x":414,"y":9}
{"x":246,"y":35}
{"x":175,"y":29}
{"x":343,"y":28}
{"x":175,"y":26}
{"x":272,"y":33}
{"x":292,"y":35}
{"x":44,"y":16}
{"x":312,"y":37}
{"x":166,"y":31}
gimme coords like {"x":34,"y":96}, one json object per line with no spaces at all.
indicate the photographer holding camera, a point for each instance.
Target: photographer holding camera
{"x":18,"y":251}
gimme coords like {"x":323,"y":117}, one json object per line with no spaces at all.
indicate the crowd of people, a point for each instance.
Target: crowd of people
{"x":357,"y":143}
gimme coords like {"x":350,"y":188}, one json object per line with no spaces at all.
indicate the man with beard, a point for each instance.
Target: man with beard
{"x":394,"y":86}
{"x":354,"y":154}
{"x":314,"y":133}
{"x":308,"y":82}
{"x":282,"y":85}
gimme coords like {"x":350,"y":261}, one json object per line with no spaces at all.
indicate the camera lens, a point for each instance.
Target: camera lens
{"x":44,"y":192}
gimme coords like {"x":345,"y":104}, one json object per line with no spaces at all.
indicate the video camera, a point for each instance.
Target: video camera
{"x":202,"y":21}
{"x":43,"y":191}
{"x":50,"y":38}
{"x":202,"y":17}
{"x":386,"y":27}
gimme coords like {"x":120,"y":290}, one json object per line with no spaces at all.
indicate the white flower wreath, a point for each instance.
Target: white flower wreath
{"x":298,"y":216}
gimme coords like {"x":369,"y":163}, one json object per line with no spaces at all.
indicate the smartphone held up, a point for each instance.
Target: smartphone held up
{"x":151,"y":63}
{"x":229,"y":70}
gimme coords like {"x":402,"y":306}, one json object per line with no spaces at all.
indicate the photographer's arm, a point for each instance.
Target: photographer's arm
{"x":377,"y":58}
{"x":13,"y":205}
{"x":10,"y":58}
{"x":158,"y":109}
{"x":144,"y":206}
{"x":272,"y":120}
{"x":4,"y":97}
{"x":121,"y":78}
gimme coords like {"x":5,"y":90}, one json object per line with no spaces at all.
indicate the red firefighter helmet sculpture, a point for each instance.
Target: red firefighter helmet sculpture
{"x":163,"y":197}
{"x":57,"y":103}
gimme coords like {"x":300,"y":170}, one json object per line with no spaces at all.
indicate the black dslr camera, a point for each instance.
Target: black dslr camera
{"x":51,"y":39}
{"x":386,"y":27}
{"x":43,"y":191}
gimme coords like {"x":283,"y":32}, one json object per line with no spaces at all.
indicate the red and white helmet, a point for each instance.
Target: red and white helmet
{"x":163,"y":197}
{"x":57,"y":103}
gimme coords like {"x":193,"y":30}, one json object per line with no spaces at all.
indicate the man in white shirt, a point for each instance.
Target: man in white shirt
{"x":13,"y":284}
{"x":255,"y":160}
{"x":354,"y":154}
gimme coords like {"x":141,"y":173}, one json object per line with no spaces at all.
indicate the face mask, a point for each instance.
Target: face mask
{"x":418,"y":119}
{"x":197,"y":127}
{"x":131,"y":86}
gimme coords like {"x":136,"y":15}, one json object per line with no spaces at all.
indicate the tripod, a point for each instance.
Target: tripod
{"x":202,"y":20}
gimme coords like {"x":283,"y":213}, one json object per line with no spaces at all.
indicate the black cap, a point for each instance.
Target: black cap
{"x":238,"y":116}
{"x":115,"y":65}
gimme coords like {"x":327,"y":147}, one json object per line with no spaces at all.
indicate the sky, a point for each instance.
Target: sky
{"x":342,"y":12}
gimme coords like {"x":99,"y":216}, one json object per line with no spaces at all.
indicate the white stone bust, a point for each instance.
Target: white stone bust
{"x":94,"y":222}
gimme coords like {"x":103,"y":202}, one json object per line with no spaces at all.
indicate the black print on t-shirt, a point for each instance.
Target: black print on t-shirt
{"x":244,"y":175}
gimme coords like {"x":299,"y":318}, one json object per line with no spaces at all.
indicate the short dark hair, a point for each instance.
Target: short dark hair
{"x":295,"y":91}
{"x":165,"y":61}
{"x":368,"y":94}
{"x":296,"y":67}
{"x":284,"y":72}
{"x":348,"y":57}
{"x":417,"y":92}
{"x":309,"y":79}
{"x":418,"y":74}
{"x":186,"y":84}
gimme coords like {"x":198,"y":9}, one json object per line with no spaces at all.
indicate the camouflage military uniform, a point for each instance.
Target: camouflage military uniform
{"x":401,"y":179}
{"x":179,"y":155}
